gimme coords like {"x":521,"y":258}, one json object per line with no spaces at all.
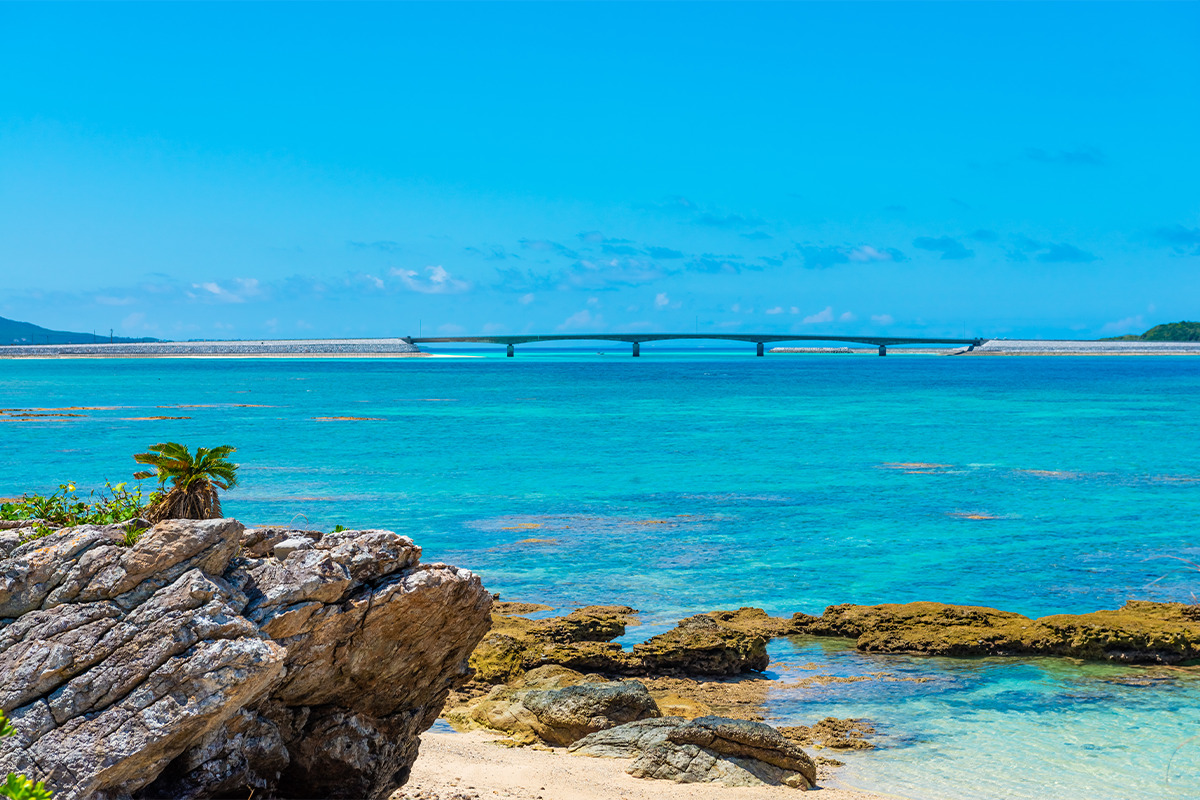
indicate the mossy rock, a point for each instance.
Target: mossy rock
{"x":1140,"y":632}
{"x":700,"y":645}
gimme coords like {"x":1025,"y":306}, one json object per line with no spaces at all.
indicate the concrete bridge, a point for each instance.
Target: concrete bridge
{"x":636,"y":339}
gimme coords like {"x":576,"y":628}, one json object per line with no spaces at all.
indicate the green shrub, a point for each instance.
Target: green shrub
{"x":65,"y":508}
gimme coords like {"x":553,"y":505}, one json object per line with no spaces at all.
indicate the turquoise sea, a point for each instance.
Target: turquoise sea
{"x":684,"y":481}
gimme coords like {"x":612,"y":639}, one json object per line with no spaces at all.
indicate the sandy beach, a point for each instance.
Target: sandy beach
{"x":470,"y":766}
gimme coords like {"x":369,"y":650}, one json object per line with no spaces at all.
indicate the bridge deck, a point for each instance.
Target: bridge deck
{"x":759,"y":338}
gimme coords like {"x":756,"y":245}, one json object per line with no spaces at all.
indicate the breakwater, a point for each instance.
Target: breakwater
{"x":280,"y":348}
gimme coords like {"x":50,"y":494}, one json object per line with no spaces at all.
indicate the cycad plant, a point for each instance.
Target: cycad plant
{"x":194,"y":480}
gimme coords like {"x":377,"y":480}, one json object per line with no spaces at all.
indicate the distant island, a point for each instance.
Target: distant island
{"x":14,"y":332}
{"x":1169,"y":332}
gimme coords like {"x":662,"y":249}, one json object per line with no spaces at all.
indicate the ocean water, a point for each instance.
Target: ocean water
{"x":681,"y":482}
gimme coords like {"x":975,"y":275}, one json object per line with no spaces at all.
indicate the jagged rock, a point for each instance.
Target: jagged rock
{"x":582,"y":640}
{"x":704,"y":750}
{"x":700,"y":645}
{"x":557,"y":706}
{"x":579,"y":640}
{"x":1140,"y":632}
{"x":175,"y":669}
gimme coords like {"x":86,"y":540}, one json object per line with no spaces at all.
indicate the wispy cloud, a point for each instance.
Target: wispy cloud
{"x":1060,"y":253}
{"x":491,"y":252}
{"x":1135,"y":324}
{"x":437,"y":280}
{"x":825,"y":315}
{"x":239,"y":290}
{"x":1183,"y":241}
{"x":1050,"y":252}
{"x":825,"y":256}
{"x":950,"y":248}
{"x":547,"y":246}
{"x":383,"y":246}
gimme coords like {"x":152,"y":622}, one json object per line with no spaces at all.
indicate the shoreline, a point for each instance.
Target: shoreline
{"x":470,"y":766}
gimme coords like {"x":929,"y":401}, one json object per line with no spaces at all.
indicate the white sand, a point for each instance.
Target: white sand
{"x":468,"y":766}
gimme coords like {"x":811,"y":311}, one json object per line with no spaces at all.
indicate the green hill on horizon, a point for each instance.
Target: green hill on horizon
{"x":15,"y":332}
{"x":1168,"y":332}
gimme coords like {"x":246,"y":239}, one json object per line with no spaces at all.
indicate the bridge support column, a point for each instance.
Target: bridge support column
{"x":883,"y":349}
{"x":510,"y":351}
{"x":760,"y":349}
{"x":637,"y":349}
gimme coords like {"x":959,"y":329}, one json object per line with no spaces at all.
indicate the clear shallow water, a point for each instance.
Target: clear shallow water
{"x":680,"y":482}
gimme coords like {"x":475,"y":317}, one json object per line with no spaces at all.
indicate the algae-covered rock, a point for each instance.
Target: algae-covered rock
{"x":579,"y":640}
{"x":837,"y":734}
{"x":1140,"y":632}
{"x":700,"y":645}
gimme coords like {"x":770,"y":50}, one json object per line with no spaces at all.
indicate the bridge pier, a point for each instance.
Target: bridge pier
{"x":760,"y":349}
{"x":637,"y":349}
{"x":510,"y":351}
{"x":883,"y":349}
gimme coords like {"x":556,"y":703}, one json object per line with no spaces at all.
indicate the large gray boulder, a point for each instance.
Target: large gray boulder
{"x":732,"y":752}
{"x":177,"y":668}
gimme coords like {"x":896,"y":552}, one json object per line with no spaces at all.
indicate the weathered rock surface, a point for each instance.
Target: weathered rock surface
{"x":1140,"y":632}
{"x":704,"y":750}
{"x":177,"y":668}
{"x":582,"y":640}
{"x":557,"y":706}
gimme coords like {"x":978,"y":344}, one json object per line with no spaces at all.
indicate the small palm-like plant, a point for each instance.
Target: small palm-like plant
{"x":194,"y":479}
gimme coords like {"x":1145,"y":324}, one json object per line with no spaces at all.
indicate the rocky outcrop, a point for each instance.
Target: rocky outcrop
{"x":208,"y":661}
{"x":557,"y":706}
{"x":1138,"y":633}
{"x":704,"y":750}
{"x":582,"y":640}
{"x":701,"y":645}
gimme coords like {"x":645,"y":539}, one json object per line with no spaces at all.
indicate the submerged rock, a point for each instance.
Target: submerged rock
{"x":1140,"y":632}
{"x":838,"y":734}
{"x":175,"y":668}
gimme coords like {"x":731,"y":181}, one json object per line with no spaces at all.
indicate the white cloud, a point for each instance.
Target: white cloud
{"x":793,"y":310}
{"x":661,"y":300}
{"x":882,"y":319}
{"x":868,"y":253}
{"x":825,"y":315}
{"x":526,"y":299}
{"x":584,"y":319}
{"x":241,"y":289}
{"x":376,"y":282}
{"x":106,"y":300}
{"x":847,"y":316}
{"x":440,"y":281}
{"x":593,"y":301}
{"x":775,"y":310}
{"x":1122,"y":326}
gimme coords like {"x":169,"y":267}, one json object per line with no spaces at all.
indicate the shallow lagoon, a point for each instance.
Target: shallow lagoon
{"x":682,"y":482}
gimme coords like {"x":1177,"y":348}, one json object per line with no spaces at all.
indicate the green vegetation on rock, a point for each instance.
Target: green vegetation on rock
{"x":18,"y":787}
{"x":1169,"y":332}
{"x":194,"y":479}
{"x":65,"y":508}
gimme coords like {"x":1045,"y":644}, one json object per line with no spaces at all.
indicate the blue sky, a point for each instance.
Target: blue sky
{"x":242,"y":170}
